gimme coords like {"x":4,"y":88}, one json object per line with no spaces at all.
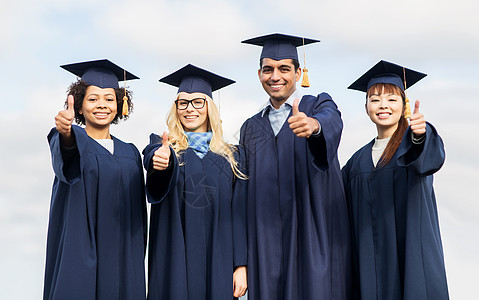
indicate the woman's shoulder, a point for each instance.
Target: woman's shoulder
{"x":360,"y":155}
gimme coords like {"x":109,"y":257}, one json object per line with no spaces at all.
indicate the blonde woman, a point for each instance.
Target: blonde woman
{"x":197,"y":188}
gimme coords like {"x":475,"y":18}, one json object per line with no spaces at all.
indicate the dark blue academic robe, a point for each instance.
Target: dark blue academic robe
{"x":298,"y":231}
{"x":197,"y":226}
{"x":97,"y":228}
{"x":397,"y":244}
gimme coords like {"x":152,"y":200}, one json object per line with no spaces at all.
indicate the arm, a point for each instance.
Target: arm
{"x":425,"y":158}
{"x":238,"y":213}
{"x":422,"y":149}
{"x":324,"y":146}
{"x":63,"y":146}
{"x":161,"y":175}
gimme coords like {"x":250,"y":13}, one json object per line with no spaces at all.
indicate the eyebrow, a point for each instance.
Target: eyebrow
{"x":93,"y":94}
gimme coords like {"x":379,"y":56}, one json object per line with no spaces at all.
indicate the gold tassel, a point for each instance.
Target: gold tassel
{"x":407,"y":109}
{"x":305,"y":82}
{"x":124,"y":111}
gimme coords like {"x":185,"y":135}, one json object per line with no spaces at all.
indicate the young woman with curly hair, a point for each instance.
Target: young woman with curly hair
{"x":97,"y":228}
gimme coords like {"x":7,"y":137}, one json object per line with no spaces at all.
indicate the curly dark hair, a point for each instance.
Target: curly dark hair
{"x":78,"y":90}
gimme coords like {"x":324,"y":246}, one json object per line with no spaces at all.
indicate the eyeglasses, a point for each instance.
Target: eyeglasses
{"x":197,"y":103}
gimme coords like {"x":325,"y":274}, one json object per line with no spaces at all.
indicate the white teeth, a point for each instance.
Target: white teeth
{"x":190,"y":117}
{"x":276,"y":86}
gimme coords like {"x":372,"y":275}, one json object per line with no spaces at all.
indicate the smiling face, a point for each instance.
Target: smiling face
{"x":193,"y":119}
{"x":384,"y":108}
{"x":99,"y":107}
{"x":278,"y":78}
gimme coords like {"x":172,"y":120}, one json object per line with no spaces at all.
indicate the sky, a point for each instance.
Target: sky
{"x":152,"y":38}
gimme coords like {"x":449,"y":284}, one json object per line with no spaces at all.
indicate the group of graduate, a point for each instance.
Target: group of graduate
{"x":274,"y":216}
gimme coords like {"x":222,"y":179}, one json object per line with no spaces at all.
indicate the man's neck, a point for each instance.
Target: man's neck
{"x":278,"y":102}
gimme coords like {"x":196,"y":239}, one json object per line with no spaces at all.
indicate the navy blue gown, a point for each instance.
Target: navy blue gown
{"x":97,"y":228}
{"x":197,"y":225}
{"x":397,"y":244}
{"x":298,"y":230}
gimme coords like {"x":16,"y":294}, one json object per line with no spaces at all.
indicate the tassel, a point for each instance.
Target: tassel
{"x":305,"y":82}
{"x":125,"y":106}
{"x":407,"y":109}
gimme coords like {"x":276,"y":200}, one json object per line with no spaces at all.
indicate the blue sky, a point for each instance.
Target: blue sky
{"x":153,"y":38}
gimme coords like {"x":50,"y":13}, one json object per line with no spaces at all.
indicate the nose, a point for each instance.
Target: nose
{"x":190,"y":107}
{"x":101,"y":103}
{"x":383,"y":104}
{"x":275,"y":75}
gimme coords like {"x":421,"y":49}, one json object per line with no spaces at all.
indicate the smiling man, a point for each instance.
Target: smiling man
{"x":298,"y":230}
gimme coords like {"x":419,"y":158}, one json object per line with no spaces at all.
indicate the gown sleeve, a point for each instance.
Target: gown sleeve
{"x":346,"y":174}
{"x":425,"y":158}
{"x":65,"y":161}
{"x":324,"y":146}
{"x":159,"y":183}
{"x":239,"y":212}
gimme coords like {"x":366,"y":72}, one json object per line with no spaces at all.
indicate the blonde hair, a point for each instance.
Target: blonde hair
{"x":179,"y":141}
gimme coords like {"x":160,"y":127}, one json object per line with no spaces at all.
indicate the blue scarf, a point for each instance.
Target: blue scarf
{"x":199,"y":142}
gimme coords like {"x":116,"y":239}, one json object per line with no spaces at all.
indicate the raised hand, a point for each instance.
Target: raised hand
{"x":301,"y":124}
{"x":417,"y":121}
{"x":161,"y":158}
{"x":64,"y":118}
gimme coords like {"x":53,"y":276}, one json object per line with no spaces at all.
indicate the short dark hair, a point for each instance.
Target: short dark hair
{"x":295,"y":64}
{"x":78,"y":91}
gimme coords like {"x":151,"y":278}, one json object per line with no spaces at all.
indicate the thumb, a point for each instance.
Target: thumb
{"x":165,"y":139}
{"x":295,"y":107}
{"x":70,"y":105}
{"x":416,"y":107}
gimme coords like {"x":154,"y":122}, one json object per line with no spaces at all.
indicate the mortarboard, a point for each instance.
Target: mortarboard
{"x":386,"y":72}
{"x":280,"y":46}
{"x":103,"y":74}
{"x":191,"y":79}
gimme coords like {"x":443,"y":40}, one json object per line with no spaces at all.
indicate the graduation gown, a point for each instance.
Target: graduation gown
{"x":298,"y":231}
{"x":397,"y":243}
{"x":97,"y":228}
{"x":197,"y":226}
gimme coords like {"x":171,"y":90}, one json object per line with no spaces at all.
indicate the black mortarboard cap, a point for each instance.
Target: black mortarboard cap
{"x":101,"y":73}
{"x":386,"y":72}
{"x":279,"y":46}
{"x":191,"y":79}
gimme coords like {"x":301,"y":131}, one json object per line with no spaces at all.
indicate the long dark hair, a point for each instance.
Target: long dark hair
{"x":395,"y":141}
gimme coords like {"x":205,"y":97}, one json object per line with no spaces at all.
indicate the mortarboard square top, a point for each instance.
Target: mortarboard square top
{"x":386,"y":72}
{"x":191,"y":79}
{"x":101,"y":73}
{"x":279,"y":46}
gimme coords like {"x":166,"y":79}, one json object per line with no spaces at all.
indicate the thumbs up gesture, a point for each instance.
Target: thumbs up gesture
{"x":64,"y":118}
{"x":301,"y":124}
{"x":417,"y":121}
{"x":161,"y":157}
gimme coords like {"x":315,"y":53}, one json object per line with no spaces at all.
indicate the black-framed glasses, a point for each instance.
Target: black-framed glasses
{"x":197,"y":103}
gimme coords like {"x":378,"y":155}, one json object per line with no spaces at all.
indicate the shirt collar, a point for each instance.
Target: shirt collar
{"x":295,"y":95}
